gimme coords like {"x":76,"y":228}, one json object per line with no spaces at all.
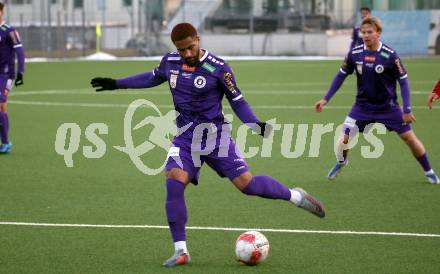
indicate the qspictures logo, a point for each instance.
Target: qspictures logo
{"x":205,"y":137}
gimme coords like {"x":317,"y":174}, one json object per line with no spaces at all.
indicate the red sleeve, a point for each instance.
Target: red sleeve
{"x":437,"y":88}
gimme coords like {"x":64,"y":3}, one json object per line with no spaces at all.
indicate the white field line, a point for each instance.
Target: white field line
{"x":167,"y":93}
{"x":100,"y":105}
{"x":305,"y":231}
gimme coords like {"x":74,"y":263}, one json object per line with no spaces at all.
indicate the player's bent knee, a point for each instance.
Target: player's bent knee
{"x":178,"y":175}
{"x":3,"y":107}
{"x":242,"y":180}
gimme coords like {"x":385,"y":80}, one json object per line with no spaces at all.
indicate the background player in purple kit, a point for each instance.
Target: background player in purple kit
{"x":377,"y":67}
{"x":356,"y":37}
{"x":10,"y":45}
{"x":198,"y":80}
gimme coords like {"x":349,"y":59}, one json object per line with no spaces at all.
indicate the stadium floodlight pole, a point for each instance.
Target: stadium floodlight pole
{"x":303,"y":35}
{"x":98,"y":37}
{"x":251,"y":27}
{"x":139,"y":16}
{"x":83,"y":30}
{"x":102,"y":27}
{"x":183,"y":11}
{"x":49,"y":27}
{"x":8,"y":8}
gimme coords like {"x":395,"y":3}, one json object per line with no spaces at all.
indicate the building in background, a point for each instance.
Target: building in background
{"x":267,"y":27}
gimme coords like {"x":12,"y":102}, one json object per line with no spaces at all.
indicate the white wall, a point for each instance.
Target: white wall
{"x":275,"y":44}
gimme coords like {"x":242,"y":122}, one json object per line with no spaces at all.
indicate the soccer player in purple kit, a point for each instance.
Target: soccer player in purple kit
{"x":377,"y":68}
{"x":198,"y":81}
{"x":10,"y":46}
{"x":356,"y":37}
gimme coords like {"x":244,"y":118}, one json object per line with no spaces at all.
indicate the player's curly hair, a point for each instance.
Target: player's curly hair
{"x":1,"y":6}
{"x":374,"y":21}
{"x":182,"y":31}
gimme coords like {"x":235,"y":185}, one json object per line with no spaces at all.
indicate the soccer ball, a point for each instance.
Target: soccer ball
{"x":251,"y":248}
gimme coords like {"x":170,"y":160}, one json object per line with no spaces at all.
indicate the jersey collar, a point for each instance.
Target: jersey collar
{"x":378,"y":49}
{"x":204,"y":55}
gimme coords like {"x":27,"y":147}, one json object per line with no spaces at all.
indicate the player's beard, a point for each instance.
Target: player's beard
{"x":192,"y":61}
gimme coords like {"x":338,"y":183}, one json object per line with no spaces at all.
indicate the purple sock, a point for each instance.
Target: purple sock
{"x":4,"y":128}
{"x":176,"y":209}
{"x":267,"y":187}
{"x":424,"y":162}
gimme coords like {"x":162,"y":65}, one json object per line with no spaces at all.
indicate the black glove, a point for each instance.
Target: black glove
{"x":19,"y":79}
{"x":103,"y":83}
{"x":265,"y":128}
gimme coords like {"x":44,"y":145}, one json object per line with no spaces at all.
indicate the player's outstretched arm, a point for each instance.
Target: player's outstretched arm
{"x":143,"y":80}
{"x":244,"y":112}
{"x":337,"y":82}
{"x":19,"y":52}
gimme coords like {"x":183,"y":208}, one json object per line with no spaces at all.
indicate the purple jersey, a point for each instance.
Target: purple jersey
{"x":377,"y":73}
{"x":198,"y":91}
{"x":9,"y":42}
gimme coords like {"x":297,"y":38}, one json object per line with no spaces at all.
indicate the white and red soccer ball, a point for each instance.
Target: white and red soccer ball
{"x":251,"y":248}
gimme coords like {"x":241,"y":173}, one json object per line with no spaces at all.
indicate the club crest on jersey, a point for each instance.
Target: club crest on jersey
{"x":173,"y":80}
{"x":379,"y":68}
{"x":199,"y":82}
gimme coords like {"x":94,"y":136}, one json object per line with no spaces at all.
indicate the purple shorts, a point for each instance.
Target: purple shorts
{"x":391,"y":119}
{"x":5,"y":87}
{"x":224,"y":159}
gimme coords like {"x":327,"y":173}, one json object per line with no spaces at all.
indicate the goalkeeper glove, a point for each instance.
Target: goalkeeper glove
{"x":103,"y":83}
{"x":19,"y":79}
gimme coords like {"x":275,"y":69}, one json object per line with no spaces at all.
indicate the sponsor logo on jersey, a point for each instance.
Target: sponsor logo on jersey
{"x":185,"y":67}
{"x":379,"y":68}
{"x":370,"y":65}
{"x":229,"y":82}
{"x":173,"y":80}
{"x":187,"y":75}
{"x":370,"y":58}
{"x":384,"y":54}
{"x":208,"y":67}
{"x":200,"y":82}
